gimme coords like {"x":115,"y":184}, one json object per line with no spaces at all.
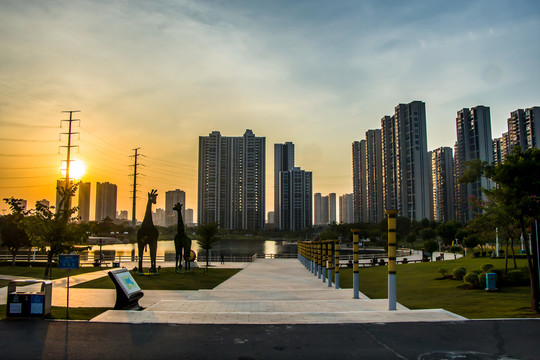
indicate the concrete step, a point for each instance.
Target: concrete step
{"x":139,"y":317}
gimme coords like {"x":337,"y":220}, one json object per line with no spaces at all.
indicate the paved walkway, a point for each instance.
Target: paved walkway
{"x":273,"y":291}
{"x":104,"y":298}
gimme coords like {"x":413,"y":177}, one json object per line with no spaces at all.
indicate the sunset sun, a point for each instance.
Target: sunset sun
{"x":77,"y":169}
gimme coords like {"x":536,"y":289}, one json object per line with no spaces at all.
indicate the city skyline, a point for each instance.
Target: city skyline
{"x":317,"y":74}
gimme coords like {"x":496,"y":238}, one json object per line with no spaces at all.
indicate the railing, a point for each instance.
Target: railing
{"x":277,"y":256}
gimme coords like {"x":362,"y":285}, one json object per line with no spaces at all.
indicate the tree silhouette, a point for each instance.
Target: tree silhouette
{"x":208,"y":233}
{"x":11,"y":228}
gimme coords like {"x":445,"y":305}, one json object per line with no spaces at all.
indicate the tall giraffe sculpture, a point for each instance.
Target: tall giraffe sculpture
{"x":181,"y":242}
{"x":148,"y":234}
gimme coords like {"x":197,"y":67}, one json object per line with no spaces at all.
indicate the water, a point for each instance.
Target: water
{"x":222,"y":247}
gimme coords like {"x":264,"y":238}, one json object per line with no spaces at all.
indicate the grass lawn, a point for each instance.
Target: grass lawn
{"x":169,"y":280}
{"x":38,"y":272}
{"x":60,"y":313}
{"x":418,"y":287}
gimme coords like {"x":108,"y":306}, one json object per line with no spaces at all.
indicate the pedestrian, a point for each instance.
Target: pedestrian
{"x":222,"y":259}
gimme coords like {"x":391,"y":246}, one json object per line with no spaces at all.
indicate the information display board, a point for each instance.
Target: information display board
{"x":126,"y":281}
{"x":68,"y":261}
{"x":128,"y":291}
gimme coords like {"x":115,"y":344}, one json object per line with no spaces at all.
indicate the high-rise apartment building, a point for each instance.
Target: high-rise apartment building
{"x":283,"y":161}
{"x":188,"y":219}
{"x":232,"y":180}
{"x":501,"y":146}
{"x":158,"y":217}
{"x":413,"y":164}
{"x":317,"y":209}
{"x":406,"y":165}
{"x":474,"y":141}
{"x":523,"y":128}
{"x":346,"y":209}
{"x":84,"y":201}
{"x":294,"y":192}
{"x":373,"y":182}
{"x":391,"y":181}
{"x":106,"y":195}
{"x":332,"y":208}
{"x":359,"y":167}
{"x":442,"y":172}
{"x":172,"y":198}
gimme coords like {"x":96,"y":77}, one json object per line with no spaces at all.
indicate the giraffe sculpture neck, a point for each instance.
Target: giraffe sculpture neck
{"x":180,"y":229}
{"x":148,"y":214}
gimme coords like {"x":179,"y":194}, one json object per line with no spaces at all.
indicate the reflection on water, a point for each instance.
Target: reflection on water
{"x":225,"y":247}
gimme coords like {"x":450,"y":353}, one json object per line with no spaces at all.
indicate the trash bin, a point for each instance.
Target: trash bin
{"x":26,"y":304}
{"x":491,"y":282}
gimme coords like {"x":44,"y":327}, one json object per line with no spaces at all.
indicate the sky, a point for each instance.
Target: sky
{"x":156,"y":75}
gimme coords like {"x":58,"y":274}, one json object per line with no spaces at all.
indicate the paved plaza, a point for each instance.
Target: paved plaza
{"x":272,"y":291}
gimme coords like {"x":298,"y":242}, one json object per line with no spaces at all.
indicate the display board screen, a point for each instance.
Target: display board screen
{"x":126,"y":281}
{"x":68,"y":261}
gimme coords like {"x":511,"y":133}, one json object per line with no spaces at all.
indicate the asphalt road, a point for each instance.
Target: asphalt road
{"x":482,"y":339}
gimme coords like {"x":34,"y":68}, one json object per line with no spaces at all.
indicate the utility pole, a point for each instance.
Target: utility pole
{"x":67,"y":200}
{"x":135,"y":173}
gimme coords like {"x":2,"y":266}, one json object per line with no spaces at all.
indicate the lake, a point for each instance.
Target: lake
{"x":222,"y":247}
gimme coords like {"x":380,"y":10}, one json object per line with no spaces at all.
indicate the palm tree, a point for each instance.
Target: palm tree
{"x":208,"y":235}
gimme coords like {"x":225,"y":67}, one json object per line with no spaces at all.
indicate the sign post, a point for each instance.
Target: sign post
{"x":68,"y":262}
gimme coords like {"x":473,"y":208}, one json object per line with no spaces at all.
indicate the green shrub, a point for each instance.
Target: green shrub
{"x":471,"y":279}
{"x":476,"y":254}
{"x":443,"y":271}
{"x":459,"y":272}
{"x":516,"y":278}
{"x":487,"y":267}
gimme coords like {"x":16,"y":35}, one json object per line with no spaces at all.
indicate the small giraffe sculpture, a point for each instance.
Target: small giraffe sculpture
{"x":181,"y":242}
{"x":148,"y":234}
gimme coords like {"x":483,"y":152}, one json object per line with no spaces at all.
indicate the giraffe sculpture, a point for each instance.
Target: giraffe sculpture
{"x":181,"y":242}
{"x":148,"y":234}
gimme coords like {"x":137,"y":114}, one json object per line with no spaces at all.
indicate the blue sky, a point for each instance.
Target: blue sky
{"x":158,"y":74}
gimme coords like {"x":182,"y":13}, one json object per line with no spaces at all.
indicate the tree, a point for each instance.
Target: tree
{"x":55,"y":232}
{"x":208,"y":233}
{"x":471,"y":241}
{"x":428,"y":234}
{"x":517,"y":192}
{"x":11,"y":228}
{"x":447,"y":231}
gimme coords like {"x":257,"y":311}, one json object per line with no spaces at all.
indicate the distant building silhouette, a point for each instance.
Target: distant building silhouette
{"x":84,"y":201}
{"x":232,"y":181}
{"x":188,"y":219}
{"x":271,"y":217}
{"x":442,"y":172}
{"x":172,"y":198}
{"x":44,"y":202}
{"x":373,"y":177}
{"x":122,"y":215}
{"x":106,"y":197}
{"x":158,"y":217}
{"x":317,"y":208}
{"x":473,"y":142}
{"x":346,"y":209}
